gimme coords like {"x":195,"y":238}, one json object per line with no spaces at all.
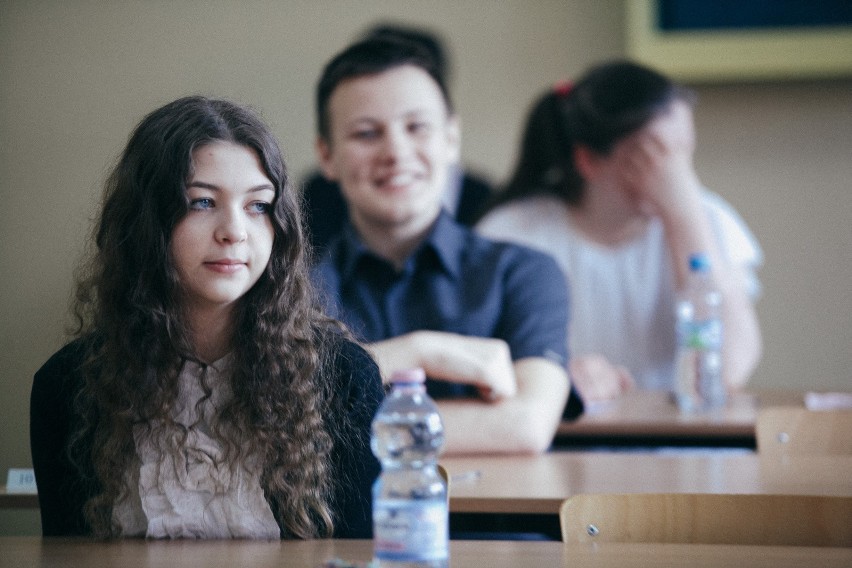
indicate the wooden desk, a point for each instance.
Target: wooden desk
{"x":614,"y":555}
{"x":651,"y":417}
{"x":79,"y":553}
{"x":17,"y":500}
{"x":539,"y":484}
{"x":70,"y":553}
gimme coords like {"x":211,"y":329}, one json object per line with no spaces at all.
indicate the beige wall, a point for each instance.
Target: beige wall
{"x":76,"y":76}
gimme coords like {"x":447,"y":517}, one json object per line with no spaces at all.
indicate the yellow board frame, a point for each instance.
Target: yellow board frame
{"x":713,"y":56}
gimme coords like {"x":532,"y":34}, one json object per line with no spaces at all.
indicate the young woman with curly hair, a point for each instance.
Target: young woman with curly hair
{"x":205,"y":395}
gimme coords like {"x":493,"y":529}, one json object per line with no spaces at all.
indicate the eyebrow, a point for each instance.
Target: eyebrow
{"x":214,"y":187}
{"x":413,"y":113}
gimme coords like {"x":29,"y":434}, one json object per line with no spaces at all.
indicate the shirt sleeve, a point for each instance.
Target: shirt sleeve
{"x":502,"y":224}
{"x":356,"y":467}
{"x":61,"y":490}
{"x":738,"y":244}
{"x":534,"y":321}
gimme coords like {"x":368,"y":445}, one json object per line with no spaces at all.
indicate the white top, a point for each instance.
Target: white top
{"x":622,"y":297}
{"x":195,"y":494}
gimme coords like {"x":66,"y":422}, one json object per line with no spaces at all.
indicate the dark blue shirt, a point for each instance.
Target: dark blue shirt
{"x":455,"y":281}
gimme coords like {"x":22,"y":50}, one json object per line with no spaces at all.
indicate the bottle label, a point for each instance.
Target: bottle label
{"x":703,"y":335}
{"x":410,"y":531}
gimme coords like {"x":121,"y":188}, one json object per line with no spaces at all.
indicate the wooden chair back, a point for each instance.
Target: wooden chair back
{"x":797,"y":520}
{"x":796,"y":430}
{"x":445,"y":475}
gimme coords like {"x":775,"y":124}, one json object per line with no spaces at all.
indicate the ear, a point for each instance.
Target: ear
{"x":587,"y":162}
{"x":324,"y":155}
{"x":454,"y":138}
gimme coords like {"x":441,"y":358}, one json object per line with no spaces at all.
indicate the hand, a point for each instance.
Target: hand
{"x":480,"y":361}
{"x":598,"y":380}
{"x":656,"y":164}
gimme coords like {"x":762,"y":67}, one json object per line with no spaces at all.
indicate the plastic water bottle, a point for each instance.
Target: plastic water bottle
{"x":410,"y":514}
{"x":699,"y":382}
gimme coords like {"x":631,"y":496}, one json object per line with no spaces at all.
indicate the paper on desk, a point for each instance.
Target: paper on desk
{"x":20,"y":481}
{"x":828,"y":400}
{"x":597,"y":406}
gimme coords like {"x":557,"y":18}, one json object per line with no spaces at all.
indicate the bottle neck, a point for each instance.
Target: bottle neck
{"x":410,"y":389}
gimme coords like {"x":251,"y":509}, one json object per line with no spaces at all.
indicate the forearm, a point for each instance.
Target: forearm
{"x":742,"y":339}
{"x":523,"y":424}
{"x":658,"y":164}
{"x":690,"y":232}
{"x":482,"y":362}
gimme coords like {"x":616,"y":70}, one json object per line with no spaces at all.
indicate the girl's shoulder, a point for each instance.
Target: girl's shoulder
{"x":68,"y":360}
{"x":59,"y":380}
{"x":349,"y":366}
{"x":348,"y":355}
{"x":536,"y":213}
{"x":525,"y":208}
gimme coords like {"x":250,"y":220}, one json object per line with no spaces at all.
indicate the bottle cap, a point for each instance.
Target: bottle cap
{"x":699,"y":262}
{"x":415,"y":376}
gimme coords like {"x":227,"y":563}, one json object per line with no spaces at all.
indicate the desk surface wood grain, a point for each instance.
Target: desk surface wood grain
{"x":70,"y":553}
{"x":649,"y":414}
{"x":539,"y":484}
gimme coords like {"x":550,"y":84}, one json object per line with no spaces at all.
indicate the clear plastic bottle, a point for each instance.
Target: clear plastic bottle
{"x":699,"y":381}
{"x":410,"y":513}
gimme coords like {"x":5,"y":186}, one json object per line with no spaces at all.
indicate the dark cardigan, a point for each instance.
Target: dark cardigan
{"x":63,"y":488}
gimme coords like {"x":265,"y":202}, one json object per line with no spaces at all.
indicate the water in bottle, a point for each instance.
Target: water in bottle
{"x":410,"y":514}
{"x":700,"y":385}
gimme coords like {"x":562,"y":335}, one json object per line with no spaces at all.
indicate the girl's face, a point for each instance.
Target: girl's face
{"x":222,"y":245}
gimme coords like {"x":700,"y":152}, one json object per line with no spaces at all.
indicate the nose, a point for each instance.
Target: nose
{"x":397,"y":144}
{"x":231,"y":227}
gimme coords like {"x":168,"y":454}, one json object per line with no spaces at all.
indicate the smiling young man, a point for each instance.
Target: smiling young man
{"x":487,"y":321}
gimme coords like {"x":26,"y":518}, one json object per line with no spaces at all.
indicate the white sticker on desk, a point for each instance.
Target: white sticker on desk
{"x":20,"y":481}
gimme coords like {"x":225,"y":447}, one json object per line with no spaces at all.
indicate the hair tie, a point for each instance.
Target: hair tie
{"x":563,"y":88}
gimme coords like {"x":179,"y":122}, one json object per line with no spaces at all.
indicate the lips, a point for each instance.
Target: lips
{"x":225,"y":265}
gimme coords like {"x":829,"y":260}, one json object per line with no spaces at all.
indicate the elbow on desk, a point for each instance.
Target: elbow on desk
{"x":534,"y":445}
{"x":516,"y":432}
{"x":531,"y":432}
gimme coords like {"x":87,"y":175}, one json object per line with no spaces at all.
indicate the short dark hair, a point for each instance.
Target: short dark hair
{"x":425,"y":38}
{"x":370,"y":57}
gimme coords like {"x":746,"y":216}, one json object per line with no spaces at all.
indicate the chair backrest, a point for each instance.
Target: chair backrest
{"x":796,"y":430}
{"x":797,"y":520}
{"x":445,"y":475}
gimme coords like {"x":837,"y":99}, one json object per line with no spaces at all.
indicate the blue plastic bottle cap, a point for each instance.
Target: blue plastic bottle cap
{"x":699,"y":262}
{"x":415,"y":375}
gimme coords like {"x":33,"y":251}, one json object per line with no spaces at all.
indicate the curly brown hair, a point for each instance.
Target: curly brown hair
{"x":127,"y":299}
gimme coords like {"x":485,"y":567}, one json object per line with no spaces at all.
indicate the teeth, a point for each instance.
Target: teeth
{"x":401,"y":179}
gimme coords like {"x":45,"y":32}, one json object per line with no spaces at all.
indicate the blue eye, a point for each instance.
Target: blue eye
{"x":202,"y":203}
{"x":261,"y":207}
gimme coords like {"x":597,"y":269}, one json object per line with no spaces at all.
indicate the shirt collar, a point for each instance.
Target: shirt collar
{"x":446,"y":240}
